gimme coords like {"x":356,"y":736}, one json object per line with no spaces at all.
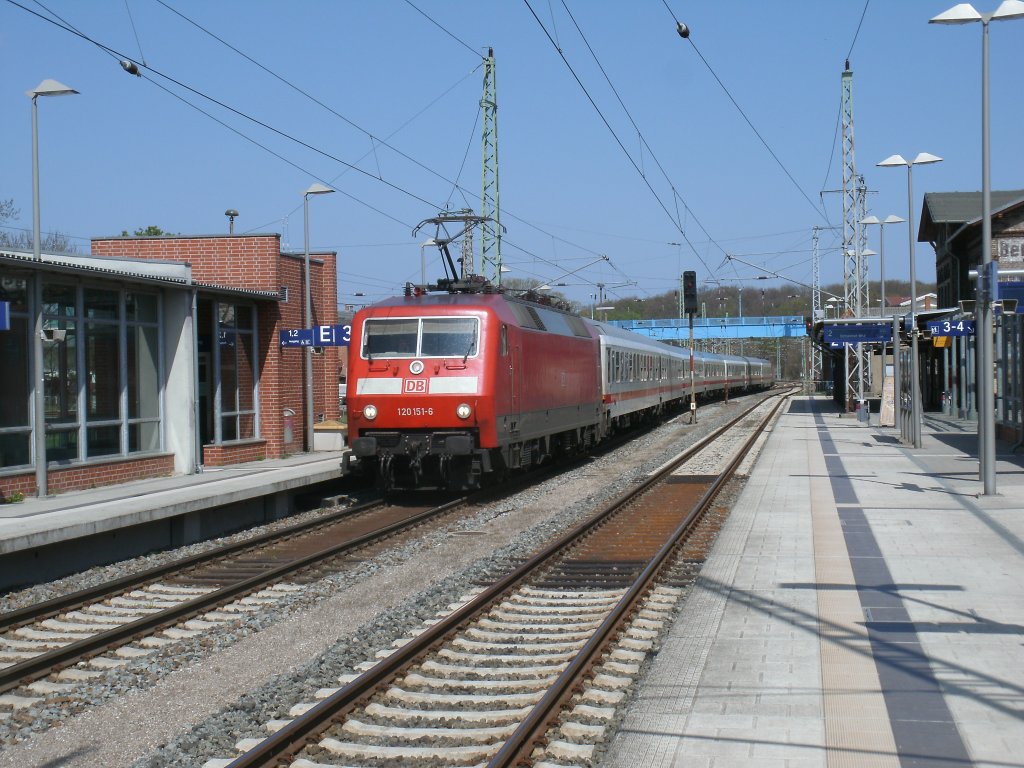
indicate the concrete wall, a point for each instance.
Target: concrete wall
{"x":179,"y":392}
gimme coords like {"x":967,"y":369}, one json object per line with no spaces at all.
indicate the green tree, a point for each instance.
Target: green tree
{"x":151,"y":231}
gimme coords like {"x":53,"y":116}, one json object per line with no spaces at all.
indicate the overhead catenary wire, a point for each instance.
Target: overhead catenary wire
{"x":283,"y":134}
{"x":134,"y":30}
{"x":618,"y":140}
{"x":743,"y":114}
{"x":643,"y":139}
{"x":305,"y":93}
{"x":839,"y":109}
{"x":444,"y":29}
{"x":384,"y":142}
{"x":284,"y":158}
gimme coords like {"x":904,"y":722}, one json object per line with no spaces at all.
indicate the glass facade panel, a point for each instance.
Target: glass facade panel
{"x":60,"y":373}
{"x":16,"y":389}
{"x":59,"y":300}
{"x":144,"y":437}
{"x":15,"y":449}
{"x":85,"y":350}
{"x":237,"y":371}
{"x":102,"y":361}
{"x":15,"y":290}
{"x":15,"y":357}
{"x":103,"y":441}
{"x":245,"y":370}
{"x":228,"y":371}
{"x":244,"y":317}
{"x":143,"y":372}
{"x":61,"y":445}
{"x":141,"y":307}
{"x":101,"y":304}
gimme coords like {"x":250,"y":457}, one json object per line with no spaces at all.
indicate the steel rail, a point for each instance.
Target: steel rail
{"x":80,"y":598}
{"x":280,"y":747}
{"x":518,"y":747}
{"x":44,"y":664}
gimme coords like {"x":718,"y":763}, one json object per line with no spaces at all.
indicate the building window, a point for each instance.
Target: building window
{"x":101,"y":373}
{"x":143,"y":385}
{"x":16,"y":402}
{"x":60,"y":371}
{"x":236,"y":326}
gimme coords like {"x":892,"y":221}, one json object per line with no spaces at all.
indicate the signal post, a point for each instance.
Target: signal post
{"x":690,"y":308}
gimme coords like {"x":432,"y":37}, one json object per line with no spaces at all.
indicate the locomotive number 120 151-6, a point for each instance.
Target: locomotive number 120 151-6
{"x":415,"y":411}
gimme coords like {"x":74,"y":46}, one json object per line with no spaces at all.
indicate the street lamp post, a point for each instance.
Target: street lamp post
{"x":890,"y":219}
{"x":964,"y":13}
{"x":45,"y":88}
{"x":314,"y":189}
{"x":922,"y":158}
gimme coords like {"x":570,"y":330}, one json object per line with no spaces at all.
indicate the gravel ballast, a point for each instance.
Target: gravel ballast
{"x":195,"y":699}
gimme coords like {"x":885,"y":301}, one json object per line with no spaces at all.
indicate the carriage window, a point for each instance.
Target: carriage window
{"x":390,"y":338}
{"x":449,"y":337}
{"x":429,"y":337}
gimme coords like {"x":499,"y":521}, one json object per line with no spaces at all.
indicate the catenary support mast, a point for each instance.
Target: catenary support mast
{"x":490,"y":199}
{"x":854,"y":194}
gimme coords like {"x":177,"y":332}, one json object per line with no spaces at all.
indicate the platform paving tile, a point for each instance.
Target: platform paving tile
{"x":768,"y":668}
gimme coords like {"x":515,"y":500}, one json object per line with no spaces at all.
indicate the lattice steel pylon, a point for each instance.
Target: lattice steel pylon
{"x":817,"y":314}
{"x":490,"y":198}
{"x":854,"y":205}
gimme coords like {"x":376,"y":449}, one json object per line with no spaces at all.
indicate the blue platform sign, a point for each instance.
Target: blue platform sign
{"x":5,"y":315}
{"x":859,"y":333}
{"x":321,"y":336}
{"x":951,"y":327}
{"x":297,"y":337}
{"x":1011,"y":290}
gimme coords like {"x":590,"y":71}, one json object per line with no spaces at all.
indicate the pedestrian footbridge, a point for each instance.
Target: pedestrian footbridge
{"x":678,"y":329}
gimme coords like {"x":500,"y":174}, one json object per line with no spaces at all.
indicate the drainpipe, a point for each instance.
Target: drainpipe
{"x":197,"y":446}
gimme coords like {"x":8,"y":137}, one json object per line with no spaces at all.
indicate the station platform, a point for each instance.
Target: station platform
{"x":862,"y":606}
{"x":53,"y":535}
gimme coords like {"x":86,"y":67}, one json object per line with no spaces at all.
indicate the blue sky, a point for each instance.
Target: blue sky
{"x":125,"y":153}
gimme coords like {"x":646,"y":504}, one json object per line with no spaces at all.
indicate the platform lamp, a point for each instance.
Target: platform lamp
{"x":314,"y":189}
{"x":45,"y":88}
{"x":892,"y":161}
{"x":890,"y":219}
{"x":964,"y":13}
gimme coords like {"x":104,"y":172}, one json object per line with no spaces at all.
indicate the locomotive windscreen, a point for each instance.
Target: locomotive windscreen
{"x":426,"y":337}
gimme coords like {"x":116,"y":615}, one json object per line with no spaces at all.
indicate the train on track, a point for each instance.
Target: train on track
{"x":446,"y":389}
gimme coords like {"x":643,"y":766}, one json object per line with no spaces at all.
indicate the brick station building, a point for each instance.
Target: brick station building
{"x":161,"y":355}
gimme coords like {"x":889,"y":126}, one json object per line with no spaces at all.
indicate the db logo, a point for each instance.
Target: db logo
{"x":416,"y":386}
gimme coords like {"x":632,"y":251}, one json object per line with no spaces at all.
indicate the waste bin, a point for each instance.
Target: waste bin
{"x":289,"y":425}
{"x":863,"y":411}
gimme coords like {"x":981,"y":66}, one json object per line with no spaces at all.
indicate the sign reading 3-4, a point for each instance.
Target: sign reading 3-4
{"x":951,"y":327}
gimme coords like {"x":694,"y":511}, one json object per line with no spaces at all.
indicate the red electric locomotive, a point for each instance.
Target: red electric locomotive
{"x":446,"y":388}
{"x":443,"y":389}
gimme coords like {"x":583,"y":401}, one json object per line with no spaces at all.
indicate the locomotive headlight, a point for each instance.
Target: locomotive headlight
{"x":463,"y":411}
{"x":370,"y":412}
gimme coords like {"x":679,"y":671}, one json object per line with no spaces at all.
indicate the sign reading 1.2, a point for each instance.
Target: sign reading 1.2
{"x":951,"y":327}
{"x":320,"y":336}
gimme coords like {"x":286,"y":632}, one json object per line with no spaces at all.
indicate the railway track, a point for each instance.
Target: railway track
{"x":529,"y":669}
{"x":49,"y":648}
